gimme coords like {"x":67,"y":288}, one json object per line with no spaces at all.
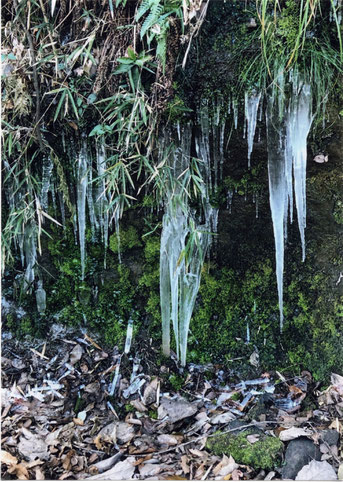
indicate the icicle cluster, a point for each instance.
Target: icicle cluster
{"x":179,"y":275}
{"x":287,"y":131}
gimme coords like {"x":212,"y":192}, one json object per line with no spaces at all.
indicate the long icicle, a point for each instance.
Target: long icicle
{"x":82,"y":182}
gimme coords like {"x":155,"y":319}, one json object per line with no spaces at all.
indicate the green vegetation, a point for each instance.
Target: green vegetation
{"x":264,"y":453}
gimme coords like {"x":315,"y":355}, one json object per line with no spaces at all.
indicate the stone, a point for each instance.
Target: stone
{"x":299,"y":453}
{"x":331,"y":437}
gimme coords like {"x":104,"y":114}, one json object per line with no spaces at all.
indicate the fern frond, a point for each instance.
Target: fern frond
{"x":155,"y":12}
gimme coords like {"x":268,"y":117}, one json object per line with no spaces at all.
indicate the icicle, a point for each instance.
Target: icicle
{"x":115,"y":379}
{"x":189,"y":287}
{"x":248,"y":333}
{"x":251,"y":108}
{"x":48,"y":165}
{"x":180,"y":278}
{"x":299,"y":123}
{"x":235,"y":111}
{"x":117,"y":229}
{"x":41,"y":298}
{"x":287,"y":151}
{"x":277,"y":190}
{"x":102,"y":196}
{"x":81,"y":202}
{"x":229,"y":198}
{"x":30,"y":256}
{"x":221,"y":148}
{"x":202,"y":142}
{"x":93,"y":220}
{"x":128,"y":336}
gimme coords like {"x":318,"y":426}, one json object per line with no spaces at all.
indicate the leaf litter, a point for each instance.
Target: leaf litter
{"x":72,"y":410}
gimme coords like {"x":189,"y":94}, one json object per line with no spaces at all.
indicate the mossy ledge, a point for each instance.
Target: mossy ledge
{"x":263,"y":454}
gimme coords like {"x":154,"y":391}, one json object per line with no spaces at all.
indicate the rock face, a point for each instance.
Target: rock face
{"x":260,"y":452}
{"x":299,"y":452}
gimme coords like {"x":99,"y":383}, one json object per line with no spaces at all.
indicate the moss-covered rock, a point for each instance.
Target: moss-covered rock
{"x":263,"y":454}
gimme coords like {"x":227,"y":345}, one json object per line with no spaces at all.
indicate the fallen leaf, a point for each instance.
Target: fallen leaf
{"x":223,"y":418}
{"x":20,"y":471}
{"x":76,"y":354}
{"x":167,"y":439}
{"x":32,"y":446}
{"x":184,"y":464}
{"x":317,"y":471}
{"x":293,"y":433}
{"x":253,"y":438}
{"x":225,"y":467}
{"x":149,"y":395}
{"x":7,"y":458}
{"x":121,"y":471}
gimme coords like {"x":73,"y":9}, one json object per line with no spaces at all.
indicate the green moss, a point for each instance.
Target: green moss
{"x":176,"y":382}
{"x":129,"y":239}
{"x":263,"y":454}
{"x":153,"y":414}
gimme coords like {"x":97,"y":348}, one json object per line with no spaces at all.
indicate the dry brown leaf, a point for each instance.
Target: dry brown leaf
{"x":149,"y":395}
{"x":39,"y":474}
{"x":184,"y":464}
{"x":20,"y":471}
{"x":75,"y":354}
{"x":121,"y":471}
{"x":7,"y":458}
{"x":168,"y":439}
{"x":225,"y":467}
{"x":78,"y":421}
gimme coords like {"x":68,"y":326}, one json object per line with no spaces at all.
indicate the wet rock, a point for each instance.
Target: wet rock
{"x":299,"y":453}
{"x":331,"y":437}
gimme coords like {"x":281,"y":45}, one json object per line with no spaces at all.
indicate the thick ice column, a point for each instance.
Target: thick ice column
{"x":82,"y":182}
{"x":165,"y":288}
{"x":252,"y":101}
{"x":276,"y":138}
{"x":189,"y":286}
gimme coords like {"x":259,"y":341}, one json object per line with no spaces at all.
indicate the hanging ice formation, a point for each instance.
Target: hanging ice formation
{"x":30,"y":256}
{"x":252,"y":101}
{"x":101,"y":200}
{"x":180,"y":274}
{"x":82,"y":183}
{"x":46,"y":177}
{"x":287,"y":131}
{"x":40,"y":298}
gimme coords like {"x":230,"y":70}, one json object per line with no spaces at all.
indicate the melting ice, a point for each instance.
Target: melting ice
{"x":287,"y":132}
